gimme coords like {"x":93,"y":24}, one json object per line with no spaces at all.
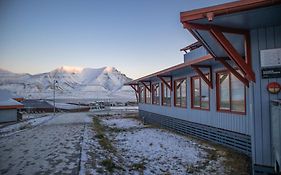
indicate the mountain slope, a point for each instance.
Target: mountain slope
{"x":72,"y":82}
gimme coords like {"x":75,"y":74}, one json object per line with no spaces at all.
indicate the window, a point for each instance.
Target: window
{"x":155,"y":94}
{"x":166,"y":95}
{"x":200,"y":93}
{"x":180,"y":93}
{"x":230,"y":93}
{"x":142,"y":94}
{"x":147,"y":96}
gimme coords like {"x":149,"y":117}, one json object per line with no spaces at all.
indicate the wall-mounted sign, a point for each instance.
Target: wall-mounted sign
{"x":273,"y":87}
{"x":270,"y":58}
{"x":274,"y":72}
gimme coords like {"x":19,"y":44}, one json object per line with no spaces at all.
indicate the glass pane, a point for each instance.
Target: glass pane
{"x":237,"y":95}
{"x":178,"y":96}
{"x":196,"y":93}
{"x":183,"y":94}
{"x":166,"y":95}
{"x":224,"y":91}
{"x":204,"y":95}
{"x":148,"y":96}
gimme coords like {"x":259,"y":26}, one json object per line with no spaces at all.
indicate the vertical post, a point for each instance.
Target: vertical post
{"x":55,"y":97}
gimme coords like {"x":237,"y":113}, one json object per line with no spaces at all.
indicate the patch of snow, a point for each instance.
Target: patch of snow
{"x":122,"y":123}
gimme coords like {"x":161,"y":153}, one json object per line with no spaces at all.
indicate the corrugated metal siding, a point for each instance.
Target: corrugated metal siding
{"x":8,"y":115}
{"x":229,"y":121}
{"x":263,"y":38}
{"x":234,"y":140}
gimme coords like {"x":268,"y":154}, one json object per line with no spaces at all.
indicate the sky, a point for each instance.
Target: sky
{"x":138,"y":37}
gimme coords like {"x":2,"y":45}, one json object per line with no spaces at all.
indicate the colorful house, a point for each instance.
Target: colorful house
{"x":223,"y":90}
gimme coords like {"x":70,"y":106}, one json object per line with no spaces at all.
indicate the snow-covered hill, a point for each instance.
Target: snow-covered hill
{"x":106,"y":82}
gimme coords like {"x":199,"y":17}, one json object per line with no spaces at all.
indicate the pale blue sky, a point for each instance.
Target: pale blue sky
{"x":138,"y":37}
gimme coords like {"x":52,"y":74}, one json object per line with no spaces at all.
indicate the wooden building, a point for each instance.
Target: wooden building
{"x":222,"y":90}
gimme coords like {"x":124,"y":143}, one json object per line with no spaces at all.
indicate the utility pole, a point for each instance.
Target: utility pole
{"x":55,"y":82}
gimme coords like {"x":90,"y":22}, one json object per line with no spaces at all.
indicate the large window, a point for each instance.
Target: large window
{"x":180,"y":93}
{"x":147,"y":96}
{"x":141,"y":94}
{"x":155,"y":94}
{"x":230,"y":93}
{"x":166,"y":94}
{"x":200,"y":93}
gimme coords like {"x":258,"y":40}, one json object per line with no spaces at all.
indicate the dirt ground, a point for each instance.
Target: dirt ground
{"x":87,"y":143}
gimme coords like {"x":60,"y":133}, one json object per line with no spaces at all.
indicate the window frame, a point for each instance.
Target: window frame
{"x":141,"y":89}
{"x":200,"y":86}
{"x":230,"y":95}
{"x":152,"y":93}
{"x":175,"y":93}
{"x":162,"y":94}
{"x":146,"y":91}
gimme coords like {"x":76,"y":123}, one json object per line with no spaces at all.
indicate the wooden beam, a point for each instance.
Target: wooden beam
{"x":233,"y":54}
{"x":165,"y":82}
{"x":203,"y":76}
{"x":180,"y":83}
{"x":148,"y":88}
{"x":234,"y":72}
{"x":134,"y":87}
{"x":248,"y":57}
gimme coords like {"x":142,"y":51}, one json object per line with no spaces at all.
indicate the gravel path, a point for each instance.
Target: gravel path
{"x":50,"y":148}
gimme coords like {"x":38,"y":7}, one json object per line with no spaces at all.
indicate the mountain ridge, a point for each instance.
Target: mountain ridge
{"x":73,"y":82}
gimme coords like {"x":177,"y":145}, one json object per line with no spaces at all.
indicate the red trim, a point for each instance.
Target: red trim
{"x":173,"y":68}
{"x":200,"y":90}
{"x":181,"y":80}
{"x":12,"y":107}
{"x":233,"y":54}
{"x":234,"y":72}
{"x":202,"y":75}
{"x":226,"y":8}
{"x":147,"y":87}
{"x":166,"y":83}
{"x":154,"y":88}
{"x":230,"y":95}
{"x":162,"y":95}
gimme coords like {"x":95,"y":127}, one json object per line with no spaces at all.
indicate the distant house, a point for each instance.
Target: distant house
{"x":221,"y":92}
{"x":8,"y":107}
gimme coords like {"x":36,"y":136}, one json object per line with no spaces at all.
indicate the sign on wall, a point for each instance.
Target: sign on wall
{"x":271,"y":63}
{"x":271,"y":57}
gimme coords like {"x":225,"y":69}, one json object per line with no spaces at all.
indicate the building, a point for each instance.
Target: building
{"x":222,"y":91}
{"x":8,"y":107}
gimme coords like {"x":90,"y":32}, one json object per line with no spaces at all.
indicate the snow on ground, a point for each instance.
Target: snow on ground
{"x":51,"y":148}
{"x":69,"y":143}
{"x":122,"y":123}
{"x":150,"y":150}
{"x":10,"y":129}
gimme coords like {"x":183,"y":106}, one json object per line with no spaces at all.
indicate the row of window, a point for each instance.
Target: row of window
{"x":231,"y":95}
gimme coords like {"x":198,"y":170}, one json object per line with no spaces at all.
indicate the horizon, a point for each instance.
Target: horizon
{"x":42,"y":36}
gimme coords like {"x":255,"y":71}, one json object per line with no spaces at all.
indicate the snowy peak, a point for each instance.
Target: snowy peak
{"x":68,"y":69}
{"x":71,"y":80}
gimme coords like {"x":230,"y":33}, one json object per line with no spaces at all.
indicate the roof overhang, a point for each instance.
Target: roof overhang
{"x":173,"y":71}
{"x":224,"y":30}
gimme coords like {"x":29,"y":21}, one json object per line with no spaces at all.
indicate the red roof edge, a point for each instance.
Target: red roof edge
{"x":226,"y":8}
{"x":192,"y":46}
{"x":173,"y":68}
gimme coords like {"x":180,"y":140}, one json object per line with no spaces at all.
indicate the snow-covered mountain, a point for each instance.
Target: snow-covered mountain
{"x":106,"y":82}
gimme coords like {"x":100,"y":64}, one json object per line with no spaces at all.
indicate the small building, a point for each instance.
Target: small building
{"x":8,"y":107}
{"x":223,"y":90}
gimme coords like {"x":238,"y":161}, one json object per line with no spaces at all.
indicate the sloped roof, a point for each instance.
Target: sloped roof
{"x":7,"y":101}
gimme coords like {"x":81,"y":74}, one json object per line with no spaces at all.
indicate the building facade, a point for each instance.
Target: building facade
{"x":221,"y":91}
